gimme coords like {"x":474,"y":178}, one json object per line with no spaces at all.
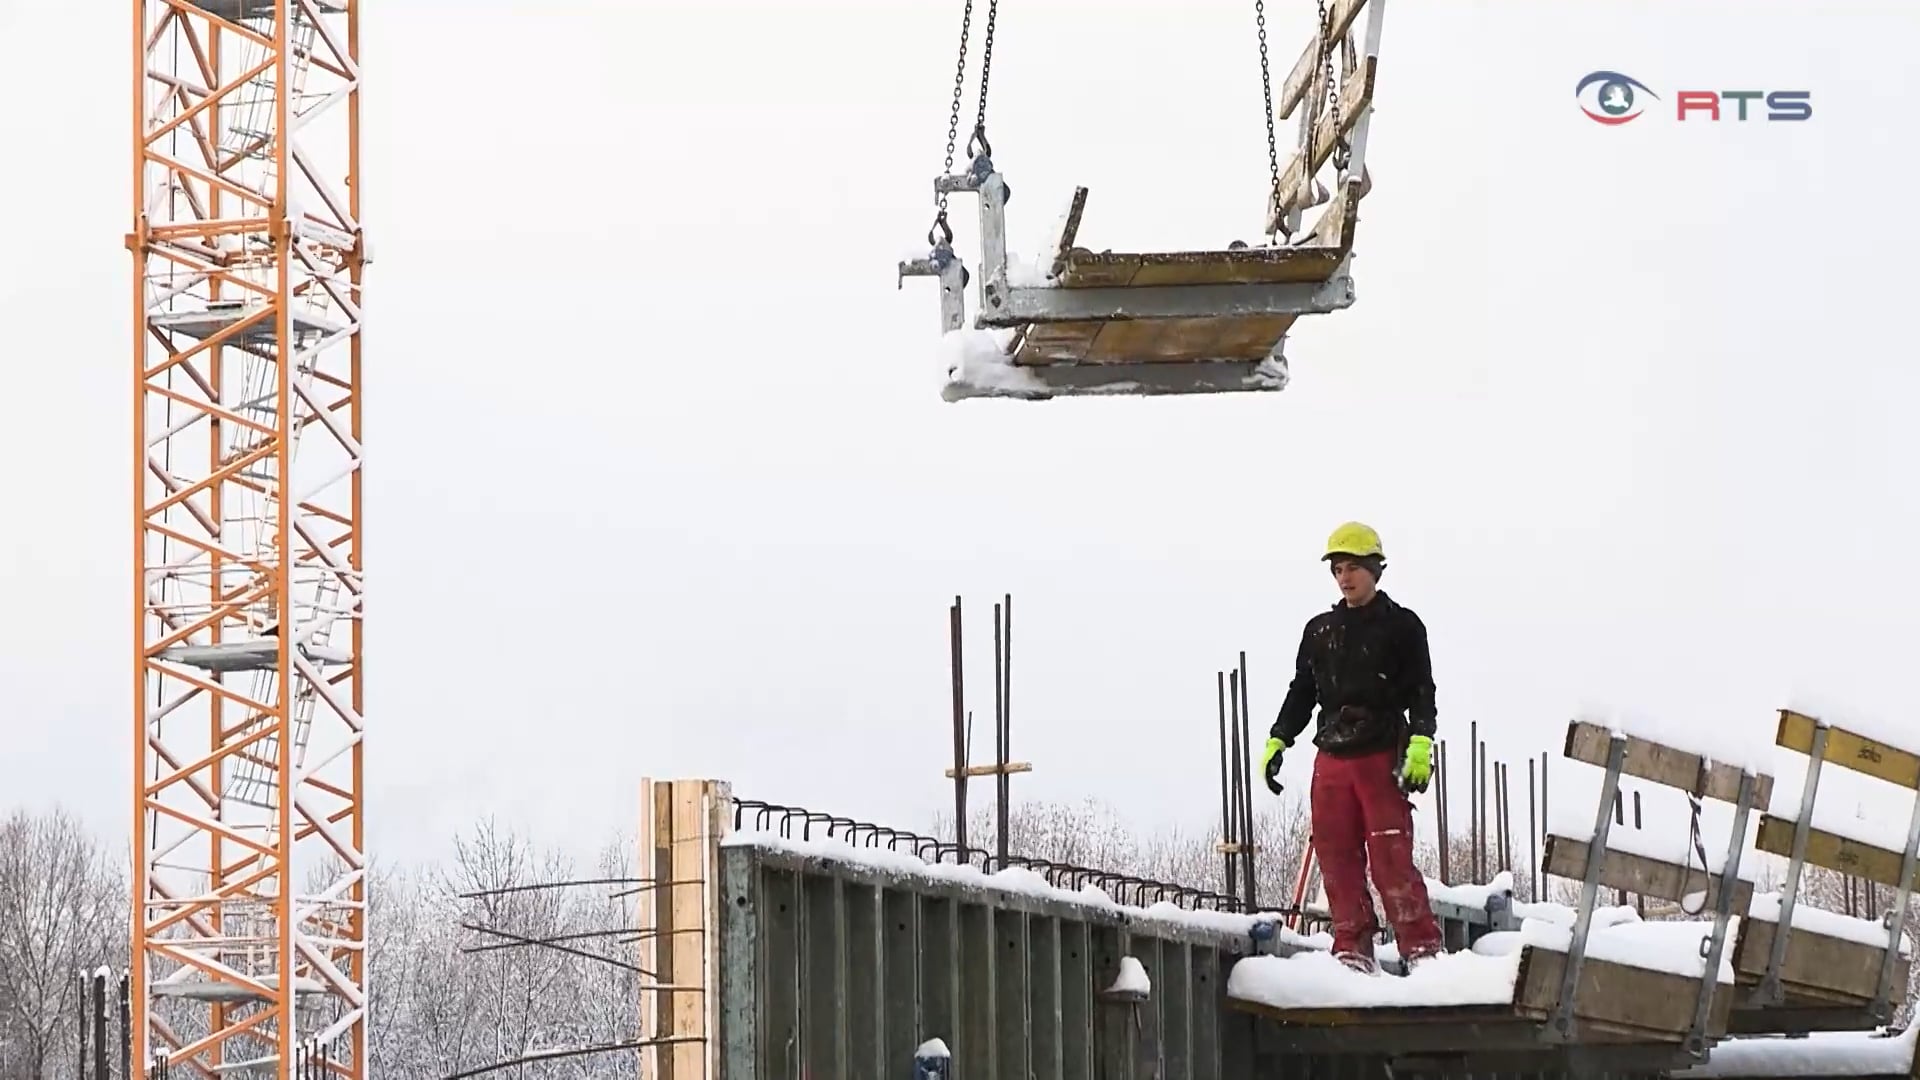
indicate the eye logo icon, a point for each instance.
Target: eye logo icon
{"x":1616,"y":97}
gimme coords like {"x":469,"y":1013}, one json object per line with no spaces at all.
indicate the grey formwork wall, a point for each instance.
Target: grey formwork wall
{"x":832,"y":970}
{"x":835,"y":971}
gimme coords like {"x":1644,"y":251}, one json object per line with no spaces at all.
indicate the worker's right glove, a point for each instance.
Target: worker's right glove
{"x":1270,"y":762}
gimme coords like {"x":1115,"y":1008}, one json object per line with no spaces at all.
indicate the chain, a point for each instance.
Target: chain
{"x":1332,"y":93}
{"x":1266,"y":92}
{"x":986,"y":71}
{"x":953,"y":119}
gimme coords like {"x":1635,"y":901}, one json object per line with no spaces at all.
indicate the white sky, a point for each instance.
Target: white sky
{"x":660,"y":481}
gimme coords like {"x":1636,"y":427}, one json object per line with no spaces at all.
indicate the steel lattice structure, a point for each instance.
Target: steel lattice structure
{"x":249,"y":916}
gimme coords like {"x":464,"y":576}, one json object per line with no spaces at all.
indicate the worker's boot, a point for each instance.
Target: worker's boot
{"x":1359,"y":962}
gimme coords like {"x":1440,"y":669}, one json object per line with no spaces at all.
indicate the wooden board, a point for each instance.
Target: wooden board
{"x":1168,"y":341}
{"x":1618,"y":999}
{"x":1850,"y":750}
{"x":1567,"y":858}
{"x":1229,"y":266}
{"x":1356,"y":95}
{"x":681,"y":825}
{"x":1832,"y":851}
{"x":1817,"y":969}
{"x":1666,"y":765}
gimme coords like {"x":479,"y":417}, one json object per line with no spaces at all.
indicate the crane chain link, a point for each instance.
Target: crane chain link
{"x":977,"y":143}
{"x":953,"y":127}
{"x":1340,"y":148}
{"x":1266,"y":92}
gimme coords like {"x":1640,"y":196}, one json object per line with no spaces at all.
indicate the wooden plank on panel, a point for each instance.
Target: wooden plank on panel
{"x":1850,"y":750}
{"x":1638,"y":874}
{"x":1649,"y":760}
{"x":1832,"y":851}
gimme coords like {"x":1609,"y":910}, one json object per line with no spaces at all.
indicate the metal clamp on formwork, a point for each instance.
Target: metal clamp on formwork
{"x":1563,"y":1023}
{"x":1770,"y":991}
{"x":1714,"y":946}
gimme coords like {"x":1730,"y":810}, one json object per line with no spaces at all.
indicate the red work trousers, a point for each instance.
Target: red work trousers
{"x":1362,"y":821}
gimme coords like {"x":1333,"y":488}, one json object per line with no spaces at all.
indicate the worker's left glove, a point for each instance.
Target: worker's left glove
{"x":1417,"y":768}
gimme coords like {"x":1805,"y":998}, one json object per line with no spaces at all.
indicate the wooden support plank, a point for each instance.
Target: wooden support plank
{"x":1618,"y":999}
{"x":1649,"y":760}
{"x":1174,"y":341}
{"x":1356,"y":96}
{"x":1309,"y":71}
{"x":1850,"y":750}
{"x":1832,"y":851}
{"x":1818,"y":969}
{"x":1225,"y":266}
{"x":994,"y":770}
{"x":682,"y":822}
{"x":1567,"y":858}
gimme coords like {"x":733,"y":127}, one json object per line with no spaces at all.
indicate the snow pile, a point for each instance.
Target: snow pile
{"x":1835,"y":1053}
{"x":1766,"y":908}
{"x":1132,"y":980}
{"x":1472,"y":896}
{"x":933,"y":1048}
{"x":977,"y":361}
{"x":1016,"y":880}
{"x":1315,"y":980}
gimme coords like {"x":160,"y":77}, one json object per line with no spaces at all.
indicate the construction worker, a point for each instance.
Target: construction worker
{"x":1365,"y":663}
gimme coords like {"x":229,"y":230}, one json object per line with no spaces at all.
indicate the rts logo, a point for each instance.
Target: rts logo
{"x":1617,"y":100}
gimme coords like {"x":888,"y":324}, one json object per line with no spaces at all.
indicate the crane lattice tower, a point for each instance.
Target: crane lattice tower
{"x":249,"y":888}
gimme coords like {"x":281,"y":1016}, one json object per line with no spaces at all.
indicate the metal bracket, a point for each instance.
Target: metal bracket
{"x":1769,"y":991}
{"x":945,"y":265}
{"x":1563,"y":1023}
{"x":1696,"y":1043}
{"x":1896,"y":919}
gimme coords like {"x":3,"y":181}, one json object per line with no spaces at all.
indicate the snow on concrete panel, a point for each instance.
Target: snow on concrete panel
{"x":1017,"y":880}
{"x":1839,"y":1053}
{"x":1472,"y":896}
{"x":1766,"y":908}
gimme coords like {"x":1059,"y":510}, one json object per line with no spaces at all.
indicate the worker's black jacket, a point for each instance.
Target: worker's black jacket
{"x":1369,"y":670}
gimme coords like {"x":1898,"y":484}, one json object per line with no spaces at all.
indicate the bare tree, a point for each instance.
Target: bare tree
{"x":61,"y":913}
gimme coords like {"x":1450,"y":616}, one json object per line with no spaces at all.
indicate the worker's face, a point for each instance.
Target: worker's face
{"x":1356,"y":585}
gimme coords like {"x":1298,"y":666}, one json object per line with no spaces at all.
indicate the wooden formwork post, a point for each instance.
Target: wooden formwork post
{"x":681,"y":825}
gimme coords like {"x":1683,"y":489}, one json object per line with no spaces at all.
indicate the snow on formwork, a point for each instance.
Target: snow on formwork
{"x":1016,"y":880}
{"x":1742,"y":743}
{"x":1824,"y":1053}
{"x":977,"y":361}
{"x":1893,"y":726}
{"x":1766,"y":908}
{"x":1486,"y":974}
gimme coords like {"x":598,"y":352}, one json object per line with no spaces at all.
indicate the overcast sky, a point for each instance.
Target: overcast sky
{"x":661,"y":483}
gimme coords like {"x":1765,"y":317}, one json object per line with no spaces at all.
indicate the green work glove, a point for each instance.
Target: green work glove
{"x":1270,"y":763}
{"x":1417,"y":769}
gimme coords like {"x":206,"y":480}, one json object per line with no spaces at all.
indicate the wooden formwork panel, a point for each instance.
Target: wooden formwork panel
{"x":1227,"y":266}
{"x":1647,"y":760}
{"x":1629,"y":1002}
{"x":1850,"y":750}
{"x":1817,"y":969}
{"x":1832,"y":851}
{"x":1643,"y":876}
{"x":1166,"y":341}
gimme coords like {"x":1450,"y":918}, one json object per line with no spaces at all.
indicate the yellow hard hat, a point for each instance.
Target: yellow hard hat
{"x":1354,"y":538}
